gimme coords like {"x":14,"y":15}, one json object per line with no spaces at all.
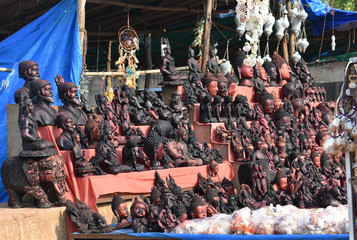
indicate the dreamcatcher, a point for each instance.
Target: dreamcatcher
{"x":127,"y":62}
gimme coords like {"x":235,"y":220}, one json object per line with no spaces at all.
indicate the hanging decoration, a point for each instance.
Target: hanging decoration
{"x":127,"y":62}
{"x":198,"y":36}
{"x":250,"y":19}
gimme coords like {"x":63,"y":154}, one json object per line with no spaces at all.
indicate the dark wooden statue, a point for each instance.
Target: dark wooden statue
{"x":87,"y":220}
{"x":139,"y":216}
{"x":120,"y":210}
{"x":29,"y":71}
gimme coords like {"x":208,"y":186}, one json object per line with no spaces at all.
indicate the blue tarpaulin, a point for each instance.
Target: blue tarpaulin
{"x":53,"y":42}
{"x":316,"y":10}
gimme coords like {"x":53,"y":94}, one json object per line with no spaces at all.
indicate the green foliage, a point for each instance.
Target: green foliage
{"x":349,"y":5}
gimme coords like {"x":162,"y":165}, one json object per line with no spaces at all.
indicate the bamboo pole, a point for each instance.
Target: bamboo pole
{"x":148,"y":61}
{"x":140,"y":72}
{"x":81,"y":23}
{"x":206,"y":35}
{"x":145,"y":7}
{"x":109,"y":57}
{"x":5,"y":69}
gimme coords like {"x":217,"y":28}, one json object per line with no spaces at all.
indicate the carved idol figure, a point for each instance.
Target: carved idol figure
{"x":65,"y":141}
{"x":82,"y":168}
{"x":168,"y":63}
{"x":243,"y":72}
{"x":131,"y":155}
{"x":68,"y":93}
{"x":138,"y":212}
{"x":210,"y":83}
{"x":212,"y":64}
{"x":267,"y":104}
{"x":194,"y":72}
{"x":272,"y":72}
{"x":206,"y":109}
{"x":283,"y":68}
{"x":44,"y":114}
{"x":222,"y":85}
{"x":303,"y":73}
{"x":120,"y":210}
{"x":198,"y":208}
{"x":29,"y":71}
{"x":216,"y":109}
{"x":32,"y":144}
{"x":260,"y":74}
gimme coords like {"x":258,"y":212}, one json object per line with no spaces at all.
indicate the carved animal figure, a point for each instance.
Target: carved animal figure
{"x":33,"y":176}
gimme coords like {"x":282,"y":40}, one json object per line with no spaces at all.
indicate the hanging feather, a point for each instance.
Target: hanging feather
{"x":335,"y":124}
{"x":347,"y":126}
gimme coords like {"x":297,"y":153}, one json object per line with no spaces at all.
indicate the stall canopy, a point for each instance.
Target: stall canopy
{"x":341,"y":20}
{"x":53,"y":42}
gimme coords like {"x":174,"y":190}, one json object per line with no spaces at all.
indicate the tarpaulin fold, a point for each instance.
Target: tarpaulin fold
{"x":53,"y":42}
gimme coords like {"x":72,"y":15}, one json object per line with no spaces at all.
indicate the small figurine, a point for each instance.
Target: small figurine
{"x":168,"y":63}
{"x":138,"y":212}
{"x":130,"y":155}
{"x":120,"y":210}
{"x":87,"y":220}
{"x":210,"y":83}
{"x":29,"y":71}
{"x":272,"y":72}
{"x":194,"y":73}
{"x":82,"y":168}
{"x":212,"y":64}
{"x":65,"y":140}
{"x":206,"y":109}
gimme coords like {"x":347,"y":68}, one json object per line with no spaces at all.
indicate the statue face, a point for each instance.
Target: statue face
{"x":191,"y":53}
{"x":73,"y":95}
{"x":68,"y":125}
{"x":272,"y":74}
{"x":123,"y":210}
{"x":47,"y":94}
{"x":263,"y":74}
{"x":33,"y":73}
{"x":222,"y":88}
{"x":212,"y":88}
{"x":317,"y":162}
{"x":269,"y":106}
{"x":183,"y":218}
{"x":232,"y":89}
{"x":139,"y":210}
{"x":200,"y":212}
{"x":287,"y":121}
{"x":283,"y":184}
{"x":285,"y":71}
{"x":247,"y":72}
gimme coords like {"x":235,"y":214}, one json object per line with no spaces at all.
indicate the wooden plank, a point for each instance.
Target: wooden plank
{"x":145,"y":7}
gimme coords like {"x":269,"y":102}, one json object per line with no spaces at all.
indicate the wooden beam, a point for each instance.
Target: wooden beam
{"x":81,"y":12}
{"x":139,"y":72}
{"x":109,"y":57}
{"x":148,"y":60}
{"x":145,"y":7}
{"x":206,"y":35}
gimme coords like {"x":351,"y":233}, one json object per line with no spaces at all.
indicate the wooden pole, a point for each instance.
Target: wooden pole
{"x":81,"y":6}
{"x":285,"y":48}
{"x":148,"y":61}
{"x":206,"y":35}
{"x":145,"y":7}
{"x":291,"y":34}
{"x":109,"y":57}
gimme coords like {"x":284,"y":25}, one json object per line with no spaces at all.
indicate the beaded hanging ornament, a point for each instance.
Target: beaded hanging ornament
{"x":127,"y":62}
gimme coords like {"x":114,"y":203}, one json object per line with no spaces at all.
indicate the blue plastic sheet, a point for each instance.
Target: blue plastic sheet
{"x":316,"y":11}
{"x":53,"y":42}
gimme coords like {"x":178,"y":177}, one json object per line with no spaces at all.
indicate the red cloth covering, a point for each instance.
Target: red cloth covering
{"x":89,"y":189}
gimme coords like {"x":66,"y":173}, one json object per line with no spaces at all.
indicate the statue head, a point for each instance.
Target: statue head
{"x":267,"y":102}
{"x":68,"y":92}
{"x":180,"y":211}
{"x":138,"y":209}
{"x":213,"y":167}
{"x":232,"y":84}
{"x":281,"y":180}
{"x":210,"y":83}
{"x":283,"y":116}
{"x":211,"y":197}
{"x":270,"y":69}
{"x":191,"y":52}
{"x":29,"y":70}
{"x":227,"y":186}
{"x":65,"y":122}
{"x":41,"y":90}
{"x":303,"y":141}
{"x":198,"y":208}
{"x":155,"y":195}
{"x":260,"y":72}
{"x":282,"y":65}
{"x":119,"y":207}
{"x":316,"y":159}
{"x":222,"y":88}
